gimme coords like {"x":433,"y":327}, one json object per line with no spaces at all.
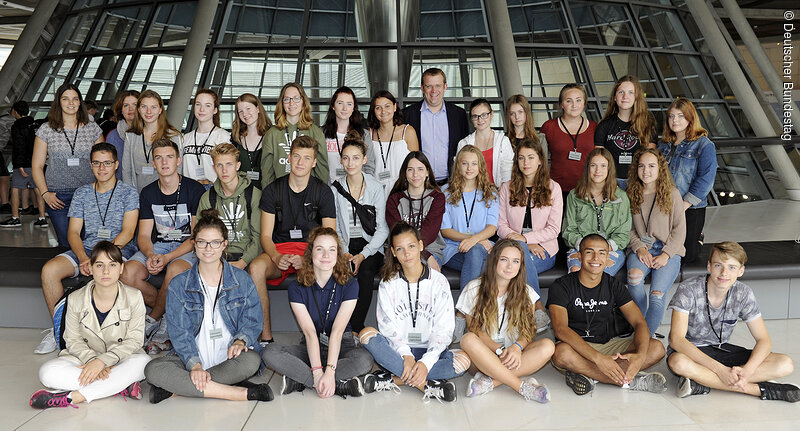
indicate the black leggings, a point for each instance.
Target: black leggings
{"x":366,"y":282}
{"x":695,"y":219}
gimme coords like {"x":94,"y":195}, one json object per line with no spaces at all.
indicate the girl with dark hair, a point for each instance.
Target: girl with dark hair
{"x":197,"y":163}
{"x":597,"y":205}
{"x":64,"y":143}
{"x":249,"y":128}
{"x":391,"y":139}
{"x":519,"y":121}
{"x":417,"y":200}
{"x":494,"y":146}
{"x":124,"y":112}
{"x":343,"y":117}
{"x":498,"y":307}
{"x":214,"y":319}
{"x":322,"y":299}
{"x":411,"y":346}
{"x":104,"y":329}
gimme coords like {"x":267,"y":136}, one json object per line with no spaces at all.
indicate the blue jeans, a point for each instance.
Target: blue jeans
{"x":652,"y":305}
{"x":615,"y":258}
{"x":622,"y":183}
{"x":534,"y":265}
{"x":388,"y":358}
{"x":59,"y":218}
{"x":470,"y":263}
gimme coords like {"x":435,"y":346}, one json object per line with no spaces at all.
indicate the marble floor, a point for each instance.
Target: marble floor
{"x":608,"y":408}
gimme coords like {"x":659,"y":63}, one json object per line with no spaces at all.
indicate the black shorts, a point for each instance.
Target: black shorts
{"x":729,"y":355}
{"x":3,"y":167}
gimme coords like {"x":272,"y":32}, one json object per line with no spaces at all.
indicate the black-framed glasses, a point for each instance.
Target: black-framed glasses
{"x":483,"y":116}
{"x":105,"y":163}
{"x":215,"y":244}
{"x":295,"y":99}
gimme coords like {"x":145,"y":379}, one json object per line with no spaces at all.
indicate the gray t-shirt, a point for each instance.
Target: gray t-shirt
{"x":691,"y":299}
{"x":64,"y":174}
{"x":93,"y":211}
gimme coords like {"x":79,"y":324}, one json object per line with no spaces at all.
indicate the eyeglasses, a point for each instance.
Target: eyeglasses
{"x":483,"y":116}
{"x":105,"y":163}
{"x":295,"y":99}
{"x":215,"y":244}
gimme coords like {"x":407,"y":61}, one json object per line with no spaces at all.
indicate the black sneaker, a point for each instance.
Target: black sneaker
{"x":42,"y":222}
{"x":260,"y":392}
{"x":687,"y":387}
{"x":11,"y":222}
{"x":350,"y":387}
{"x":158,"y":394}
{"x":31,"y":210}
{"x":380,"y":380}
{"x":779,"y":391}
{"x":440,"y":389}
{"x":5,"y":208}
{"x":290,"y":386}
{"x":579,"y":383}
{"x":45,"y":400}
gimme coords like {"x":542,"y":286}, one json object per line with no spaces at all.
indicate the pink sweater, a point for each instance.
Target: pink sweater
{"x":546,"y":221}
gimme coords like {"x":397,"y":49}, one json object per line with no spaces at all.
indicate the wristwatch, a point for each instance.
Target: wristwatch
{"x":499,"y":351}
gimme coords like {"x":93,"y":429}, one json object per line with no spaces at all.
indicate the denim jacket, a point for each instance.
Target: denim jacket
{"x":238,"y":304}
{"x":693,"y":165}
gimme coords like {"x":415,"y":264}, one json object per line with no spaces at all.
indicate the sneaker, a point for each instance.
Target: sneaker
{"x":45,"y":400}
{"x":542,"y":320}
{"x":378,"y":381}
{"x":440,"y":389}
{"x":5,"y":208}
{"x":260,"y":392}
{"x":478,"y":385}
{"x":31,"y":210}
{"x":150,"y":327}
{"x":265,"y":343}
{"x":779,"y":391}
{"x":160,"y":335}
{"x":290,"y":386}
{"x":154,"y":347}
{"x":579,"y":383}
{"x":11,"y":222}
{"x":687,"y":387}
{"x":349,"y":387}
{"x":48,"y":343}
{"x":531,"y":390}
{"x":42,"y":222}
{"x":134,"y":390}
{"x":650,"y":382}
{"x":158,"y":394}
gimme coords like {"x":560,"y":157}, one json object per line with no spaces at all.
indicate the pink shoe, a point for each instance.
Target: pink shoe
{"x":134,"y":390}
{"x":44,"y":400}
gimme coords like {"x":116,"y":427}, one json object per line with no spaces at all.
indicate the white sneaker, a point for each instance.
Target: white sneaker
{"x":48,"y":343}
{"x":542,"y":320}
{"x":160,"y":335}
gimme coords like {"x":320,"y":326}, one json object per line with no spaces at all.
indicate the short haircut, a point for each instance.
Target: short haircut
{"x":592,"y":237}
{"x":225,"y":149}
{"x":91,"y":104}
{"x":104,"y":146}
{"x":433,"y":71}
{"x":21,"y":107}
{"x":166,"y":142}
{"x":728,"y":249}
{"x":109,"y":249}
{"x":305,"y":142}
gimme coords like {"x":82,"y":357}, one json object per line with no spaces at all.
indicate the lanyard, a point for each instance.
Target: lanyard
{"x":319,"y":310}
{"x":721,"y":318}
{"x":144,"y":149}
{"x":231,"y":217}
{"x":528,"y":215}
{"x":388,"y":150}
{"x":363,"y":181}
{"x":502,"y":321}
{"x":216,"y":298}
{"x":418,"y":221}
{"x":71,"y":144}
{"x":471,"y":210}
{"x":250,"y":154}
{"x":200,"y":147}
{"x":338,"y":148}
{"x":177,"y":200}
{"x":647,"y":223}
{"x":574,"y":138}
{"x":599,"y":211}
{"x":594,"y":314}
{"x":415,"y":310}
{"x":104,"y":215}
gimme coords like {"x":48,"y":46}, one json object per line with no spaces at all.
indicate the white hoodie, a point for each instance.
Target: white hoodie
{"x":435,"y":318}
{"x":502,"y":156}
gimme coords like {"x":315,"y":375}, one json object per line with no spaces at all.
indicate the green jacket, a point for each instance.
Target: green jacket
{"x":581,"y":220}
{"x":244,"y":231}
{"x":275,"y":156}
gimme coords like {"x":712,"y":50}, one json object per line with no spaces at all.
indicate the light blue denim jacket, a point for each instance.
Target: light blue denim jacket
{"x":693,"y":165}
{"x":238,"y":304}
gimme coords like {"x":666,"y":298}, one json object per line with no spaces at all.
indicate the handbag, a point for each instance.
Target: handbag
{"x":366,"y":213}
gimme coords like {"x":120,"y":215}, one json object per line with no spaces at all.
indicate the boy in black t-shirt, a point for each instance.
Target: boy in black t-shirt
{"x":582,"y":308}
{"x":291,"y":206}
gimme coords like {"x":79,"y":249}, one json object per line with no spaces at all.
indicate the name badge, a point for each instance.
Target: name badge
{"x":414,"y":337}
{"x":73,"y":161}
{"x":648,"y":240}
{"x":323,"y":339}
{"x":254,"y":175}
{"x":296,"y":234}
{"x":574,"y":155}
{"x":340,"y":172}
{"x":355,"y":232}
{"x":104,"y":233}
{"x":384,"y":175}
{"x":625,"y":159}
{"x":148,"y":170}
{"x":215,"y":333}
{"x":200,"y":173}
{"x":526,"y":230}
{"x":173,"y":235}
{"x":287,"y":168}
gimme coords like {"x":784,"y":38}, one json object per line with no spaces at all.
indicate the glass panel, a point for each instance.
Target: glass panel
{"x":716,"y":120}
{"x":663,"y":29}
{"x":158,"y":72}
{"x":171,"y":25}
{"x":98,"y":77}
{"x":603,"y":24}
{"x":772,"y":178}
{"x":741,"y":120}
{"x":121,"y":28}
{"x":462,"y":20}
{"x":607,"y":67}
{"x":543,"y":22}
{"x":738,"y":176}
{"x":545,"y":71}
{"x":470,"y":72}
{"x":82,"y":4}
{"x":324,"y":70}
{"x":49,"y":77}
{"x":72,"y":34}
{"x":253,"y":71}
{"x":685,"y":76}
{"x":332,"y":20}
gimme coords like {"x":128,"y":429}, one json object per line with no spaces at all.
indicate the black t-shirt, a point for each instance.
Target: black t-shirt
{"x":170,"y":211}
{"x":615,"y":135}
{"x":297,"y":208}
{"x":590,"y":309}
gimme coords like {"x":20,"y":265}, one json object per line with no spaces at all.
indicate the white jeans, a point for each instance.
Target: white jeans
{"x":62,"y":374}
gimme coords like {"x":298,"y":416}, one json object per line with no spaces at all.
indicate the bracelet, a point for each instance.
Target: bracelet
{"x":315,"y":368}
{"x":518,"y":345}
{"x":332,"y":366}
{"x":46,"y":192}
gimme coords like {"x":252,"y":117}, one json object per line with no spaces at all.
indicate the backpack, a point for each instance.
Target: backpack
{"x":248,"y":196}
{"x":60,"y":318}
{"x":283,"y":188}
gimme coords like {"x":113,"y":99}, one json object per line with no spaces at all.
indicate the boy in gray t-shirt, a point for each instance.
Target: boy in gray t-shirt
{"x":705,"y":310}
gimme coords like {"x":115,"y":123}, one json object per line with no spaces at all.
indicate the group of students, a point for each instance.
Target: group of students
{"x":275,"y":200}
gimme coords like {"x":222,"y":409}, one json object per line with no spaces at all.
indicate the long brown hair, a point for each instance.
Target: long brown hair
{"x":239,"y":130}
{"x":693,"y":131}
{"x":456,"y":184}
{"x":117,"y":108}
{"x":305,"y":113}
{"x":55,"y":116}
{"x":664,"y":183}
{"x":584,"y":186}
{"x":213,"y":94}
{"x":642,"y":121}
{"x":401,"y":184}
{"x":541,"y":193}
{"x":341,"y":271}
{"x":164,"y":130}
{"x":518,"y":306}
{"x":530,"y":132}
{"x":391,"y":266}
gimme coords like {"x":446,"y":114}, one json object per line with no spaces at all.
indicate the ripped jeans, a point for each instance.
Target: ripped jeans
{"x":616,"y":260}
{"x":651,"y":301}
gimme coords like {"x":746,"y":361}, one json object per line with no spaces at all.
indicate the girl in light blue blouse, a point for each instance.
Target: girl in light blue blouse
{"x":470,"y":215}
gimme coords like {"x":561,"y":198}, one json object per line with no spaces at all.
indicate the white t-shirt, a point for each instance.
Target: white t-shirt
{"x":468,"y":298}
{"x":212,"y":351}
